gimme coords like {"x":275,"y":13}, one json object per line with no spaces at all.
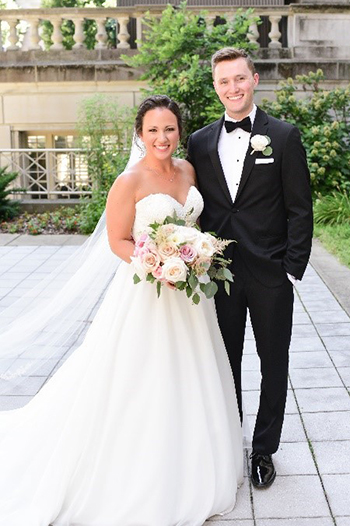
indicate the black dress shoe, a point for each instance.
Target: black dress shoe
{"x":263,"y":471}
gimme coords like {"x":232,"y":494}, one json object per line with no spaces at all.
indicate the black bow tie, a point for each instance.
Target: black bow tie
{"x":245,"y":124}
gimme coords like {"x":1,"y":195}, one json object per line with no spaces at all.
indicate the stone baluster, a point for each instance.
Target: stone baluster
{"x":101,"y":35}
{"x":78,"y":33}
{"x":139,"y":29}
{"x":123,"y":35}
{"x":253,"y":33}
{"x":13,"y":37}
{"x":34,"y":37}
{"x":56,"y":35}
{"x":275,"y":33}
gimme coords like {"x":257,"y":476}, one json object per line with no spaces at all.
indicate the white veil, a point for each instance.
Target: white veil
{"x":44,"y":326}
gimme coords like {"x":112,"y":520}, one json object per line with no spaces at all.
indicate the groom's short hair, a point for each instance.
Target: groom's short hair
{"x":231,"y":53}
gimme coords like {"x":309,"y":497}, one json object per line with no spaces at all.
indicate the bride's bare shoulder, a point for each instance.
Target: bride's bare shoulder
{"x":126,"y":183}
{"x":187,"y":170}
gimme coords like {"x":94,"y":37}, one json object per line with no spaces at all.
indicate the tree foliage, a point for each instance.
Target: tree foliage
{"x":175,"y":56}
{"x":105,"y":131}
{"x":323,"y":118}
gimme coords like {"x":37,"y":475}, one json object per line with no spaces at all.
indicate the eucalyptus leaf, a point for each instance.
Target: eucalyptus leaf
{"x":193,"y":281}
{"x":268,"y":151}
{"x":211,"y":289}
{"x":227,"y":274}
{"x":196,"y":298}
{"x":136,"y":279}
{"x":150,"y":278}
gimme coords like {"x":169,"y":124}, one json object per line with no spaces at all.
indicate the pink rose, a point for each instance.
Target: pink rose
{"x":142,"y":240}
{"x":150,"y":262}
{"x":140,"y":252}
{"x":188,"y":253}
{"x":167,"y":250}
{"x":158,"y":273}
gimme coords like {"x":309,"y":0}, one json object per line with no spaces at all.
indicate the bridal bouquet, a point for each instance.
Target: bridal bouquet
{"x":182,"y":256}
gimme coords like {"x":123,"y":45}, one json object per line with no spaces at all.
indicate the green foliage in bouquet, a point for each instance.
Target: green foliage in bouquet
{"x":323,"y":118}
{"x":8,"y":207}
{"x":175,"y":57}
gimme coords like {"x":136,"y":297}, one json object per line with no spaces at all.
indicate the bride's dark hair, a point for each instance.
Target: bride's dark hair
{"x":157,"y":101}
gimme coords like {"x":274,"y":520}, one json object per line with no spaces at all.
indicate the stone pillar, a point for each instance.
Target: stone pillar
{"x":101,"y":35}
{"x":253,"y":34}
{"x":13,"y":38}
{"x":78,"y":33}
{"x":275,"y":34}
{"x":123,"y":35}
{"x":34,"y":37}
{"x":56,"y":35}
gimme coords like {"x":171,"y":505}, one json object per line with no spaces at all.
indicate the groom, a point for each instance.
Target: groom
{"x":253,"y":176}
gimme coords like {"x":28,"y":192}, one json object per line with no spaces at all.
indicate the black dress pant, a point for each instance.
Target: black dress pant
{"x":271,"y":311}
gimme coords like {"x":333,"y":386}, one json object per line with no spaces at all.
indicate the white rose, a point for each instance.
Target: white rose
{"x":204,"y":246}
{"x":259,"y":142}
{"x":178,"y":236}
{"x":166,"y":230}
{"x":190,"y":234}
{"x":174,"y":270}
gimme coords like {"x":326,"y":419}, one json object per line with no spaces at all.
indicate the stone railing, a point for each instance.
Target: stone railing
{"x":23,"y":25}
{"x":322,"y":30}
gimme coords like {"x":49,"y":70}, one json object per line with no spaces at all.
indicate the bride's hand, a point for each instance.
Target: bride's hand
{"x":170,"y":285}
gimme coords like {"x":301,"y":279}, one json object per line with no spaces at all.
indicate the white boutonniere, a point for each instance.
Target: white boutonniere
{"x":261,"y":143}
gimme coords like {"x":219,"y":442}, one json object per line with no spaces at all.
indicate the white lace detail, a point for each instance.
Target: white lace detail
{"x":156,"y":207}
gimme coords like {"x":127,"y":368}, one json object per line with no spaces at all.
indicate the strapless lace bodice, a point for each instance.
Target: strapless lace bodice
{"x":156,"y":207}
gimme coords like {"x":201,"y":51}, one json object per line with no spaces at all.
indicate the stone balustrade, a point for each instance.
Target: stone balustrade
{"x":296,"y":27}
{"x":33,"y":18}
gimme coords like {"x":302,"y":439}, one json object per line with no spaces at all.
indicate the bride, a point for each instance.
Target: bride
{"x":140,"y":425}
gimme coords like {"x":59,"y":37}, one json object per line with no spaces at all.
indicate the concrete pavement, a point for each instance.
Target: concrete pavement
{"x":313,"y":463}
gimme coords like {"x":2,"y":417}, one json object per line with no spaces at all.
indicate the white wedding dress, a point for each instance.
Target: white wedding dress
{"x":140,"y":426}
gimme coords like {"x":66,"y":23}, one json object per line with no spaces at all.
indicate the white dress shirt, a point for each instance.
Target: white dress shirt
{"x":232,"y":149}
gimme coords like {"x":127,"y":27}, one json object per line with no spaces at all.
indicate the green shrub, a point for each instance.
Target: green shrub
{"x":332,"y":209}
{"x":323,"y":118}
{"x":8,"y":207}
{"x":175,"y":56}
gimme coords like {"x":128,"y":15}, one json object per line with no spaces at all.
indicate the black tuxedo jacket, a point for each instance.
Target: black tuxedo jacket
{"x":271,"y":217}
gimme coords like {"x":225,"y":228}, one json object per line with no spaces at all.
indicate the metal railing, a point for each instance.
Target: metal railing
{"x":49,"y":173}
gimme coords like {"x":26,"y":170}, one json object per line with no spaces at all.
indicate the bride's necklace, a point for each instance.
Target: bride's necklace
{"x":162,"y":175}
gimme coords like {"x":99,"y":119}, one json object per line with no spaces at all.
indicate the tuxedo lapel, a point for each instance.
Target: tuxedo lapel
{"x":213,"y":139}
{"x":260,"y":127}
